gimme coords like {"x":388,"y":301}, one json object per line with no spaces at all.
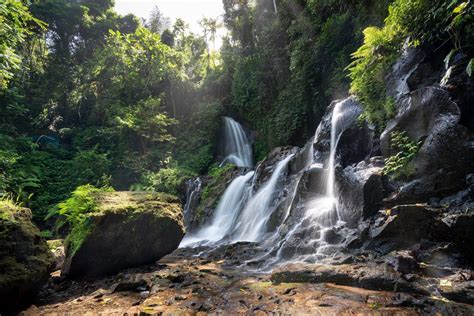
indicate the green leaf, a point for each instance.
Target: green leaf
{"x":460,"y":8}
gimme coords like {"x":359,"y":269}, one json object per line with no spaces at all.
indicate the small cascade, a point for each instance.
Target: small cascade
{"x":343,"y":115}
{"x":225,"y":215}
{"x":193,"y":188}
{"x":238,"y":149}
{"x":251,"y":225}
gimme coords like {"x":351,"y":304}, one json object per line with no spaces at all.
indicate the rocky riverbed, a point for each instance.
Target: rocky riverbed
{"x":203,"y":281}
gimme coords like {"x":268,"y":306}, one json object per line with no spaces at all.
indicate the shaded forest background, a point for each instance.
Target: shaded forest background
{"x":89,"y":97}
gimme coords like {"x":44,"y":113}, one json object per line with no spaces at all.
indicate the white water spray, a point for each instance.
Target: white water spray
{"x":251,"y":225}
{"x":321,"y":216}
{"x":238,"y":149}
{"x":225,"y":215}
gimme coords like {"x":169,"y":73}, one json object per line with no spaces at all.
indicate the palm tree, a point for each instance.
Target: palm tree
{"x":210,"y":27}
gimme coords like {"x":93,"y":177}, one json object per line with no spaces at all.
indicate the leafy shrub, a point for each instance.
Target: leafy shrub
{"x":398,"y":165}
{"x":168,"y":180}
{"x":89,"y":166}
{"x":372,"y":61}
{"x":216,"y":173}
{"x":197,"y":137}
{"x":74,"y":210}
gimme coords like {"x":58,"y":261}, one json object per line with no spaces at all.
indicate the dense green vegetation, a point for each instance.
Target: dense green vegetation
{"x":286,"y":67}
{"x":89,"y":97}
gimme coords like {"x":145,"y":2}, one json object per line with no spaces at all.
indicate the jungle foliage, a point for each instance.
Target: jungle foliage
{"x":90,"y":98}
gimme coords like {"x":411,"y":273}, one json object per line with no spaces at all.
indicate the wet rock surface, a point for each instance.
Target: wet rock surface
{"x":375,"y":276}
{"x":355,"y":143}
{"x":361,"y":188}
{"x":404,"y":226}
{"x":430,"y":118}
{"x":211,"y":191}
{"x":189,"y":282}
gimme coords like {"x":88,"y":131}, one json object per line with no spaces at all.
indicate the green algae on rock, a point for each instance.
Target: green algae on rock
{"x":125,"y":229}
{"x":25,"y":259}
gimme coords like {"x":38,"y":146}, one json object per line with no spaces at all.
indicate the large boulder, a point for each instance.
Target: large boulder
{"x":127,"y":229}
{"x":405,"y":226}
{"x":446,"y":154}
{"x":25,"y":259}
{"x":360,"y":190}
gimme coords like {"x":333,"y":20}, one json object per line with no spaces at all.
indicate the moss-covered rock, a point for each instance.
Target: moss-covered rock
{"x":126,"y":229}
{"x":25,"y":259}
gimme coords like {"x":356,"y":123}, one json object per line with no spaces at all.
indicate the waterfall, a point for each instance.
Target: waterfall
{"x":226,"y":213}
{"x":193,"y":187}
{"x":303,"y":202}
{"x":238,"y":149}
{"x":321,"y":219}
{"x":343,"y":115}
{"x":252,"y":223}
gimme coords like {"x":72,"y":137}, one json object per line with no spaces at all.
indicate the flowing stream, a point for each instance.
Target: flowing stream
{"x":322,"y":222}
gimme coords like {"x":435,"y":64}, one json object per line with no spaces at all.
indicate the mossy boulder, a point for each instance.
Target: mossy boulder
{"x":25,"y":259}
{"x":126,"y":229}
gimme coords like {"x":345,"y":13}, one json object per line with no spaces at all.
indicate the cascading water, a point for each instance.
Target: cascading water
{"x":309,"y":224}
{"x":322,"y":218}
{"x":251,"y":225}
{"x":225,"y":215}
{"x":238,"y":149}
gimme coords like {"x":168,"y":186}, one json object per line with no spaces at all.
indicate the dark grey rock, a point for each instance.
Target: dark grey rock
{"x":403,"y":262}
{"x":360,"y":190}
{"x":405,"y":226}
{"x":445,"y":156}
{"x":459,"y":292}
{"x":369,"y":276}
{"x":461,"y":232}
{"x":130,"y":284}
